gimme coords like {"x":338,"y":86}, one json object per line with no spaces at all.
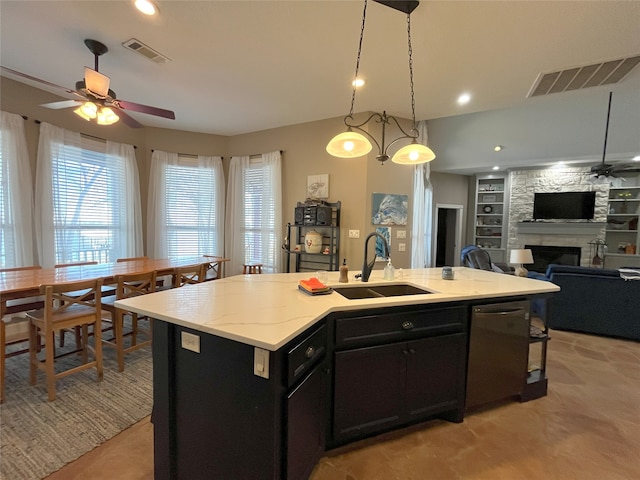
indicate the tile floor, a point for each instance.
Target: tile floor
{"x":587,"y":427}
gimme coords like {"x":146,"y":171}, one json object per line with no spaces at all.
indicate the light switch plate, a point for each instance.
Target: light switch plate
{"x":354,"y":233}
{"x":261,"y":362}
{"x":189,"y":341}
{"x":401,"y":234}
{"x":402,"y":247}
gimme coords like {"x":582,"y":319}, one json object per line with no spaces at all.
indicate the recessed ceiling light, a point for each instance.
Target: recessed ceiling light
{"x":146,"y":6}
{"x":496,"y":168}
{"x":358,"y":82}
{"x":498,"y":148}
{"x":636,"y":158}
{"x":464,"y":99}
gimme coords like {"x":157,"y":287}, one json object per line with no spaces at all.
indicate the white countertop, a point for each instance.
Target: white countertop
{"x":268,"y":310}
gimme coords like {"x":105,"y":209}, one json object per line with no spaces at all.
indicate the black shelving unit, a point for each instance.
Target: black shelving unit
{"x":536,"y":384}
{"x":305,"y":221}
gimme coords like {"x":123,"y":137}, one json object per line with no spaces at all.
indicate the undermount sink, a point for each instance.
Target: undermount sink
{"x":379,"y":291}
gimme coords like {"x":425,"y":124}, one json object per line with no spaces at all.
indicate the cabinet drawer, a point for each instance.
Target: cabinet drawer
{"x":388,"y":327}
{"x":306,"y":354}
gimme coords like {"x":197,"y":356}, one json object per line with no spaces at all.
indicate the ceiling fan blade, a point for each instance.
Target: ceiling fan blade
{"x":137,"y":107}
{"x":62,"y":104}
{"x":128,"y":120}
{"x":96,"y":82}
{"x":39,"y":80}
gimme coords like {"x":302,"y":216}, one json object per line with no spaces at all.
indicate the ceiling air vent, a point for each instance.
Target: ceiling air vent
{"x":604,"y":73}
{"x":146,"y":51}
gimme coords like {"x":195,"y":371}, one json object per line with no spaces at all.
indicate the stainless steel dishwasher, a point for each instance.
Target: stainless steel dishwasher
{"x":498,"y":351}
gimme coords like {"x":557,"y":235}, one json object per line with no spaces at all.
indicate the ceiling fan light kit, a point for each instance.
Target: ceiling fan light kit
{"x":352,"y":144}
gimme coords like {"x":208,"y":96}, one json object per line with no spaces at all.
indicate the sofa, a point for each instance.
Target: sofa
{"x":593,"y":300}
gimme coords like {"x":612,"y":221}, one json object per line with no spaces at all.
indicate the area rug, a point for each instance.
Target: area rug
{"x":38,"y":437}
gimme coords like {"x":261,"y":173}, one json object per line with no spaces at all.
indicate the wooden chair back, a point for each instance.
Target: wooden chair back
{"x":76,"y":264}
{"x":189,"y":275}
{"x":135,"y":284}
{"x":131,"y":259}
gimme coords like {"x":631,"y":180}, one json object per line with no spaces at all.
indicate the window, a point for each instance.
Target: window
{"x":254,"y":212}
{"x":91,"y":191}
{"x":186,"y":205}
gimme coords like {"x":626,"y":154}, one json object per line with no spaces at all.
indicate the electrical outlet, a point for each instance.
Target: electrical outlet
{"x":189,"y":341}
{"x":401,"y":234}
{"x":354,"y":233}
{"x":402,"y":247}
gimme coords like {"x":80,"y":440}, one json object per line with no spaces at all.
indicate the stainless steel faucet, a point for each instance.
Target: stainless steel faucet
{"x":367,"y":267}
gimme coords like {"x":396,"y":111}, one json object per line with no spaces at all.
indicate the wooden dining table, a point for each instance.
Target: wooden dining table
{"x":23,"y":284}
{"x":20,"y":289}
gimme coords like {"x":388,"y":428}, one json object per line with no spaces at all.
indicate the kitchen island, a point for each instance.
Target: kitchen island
{"x":255,"y":379}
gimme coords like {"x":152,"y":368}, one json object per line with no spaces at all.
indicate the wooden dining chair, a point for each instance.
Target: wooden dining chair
{"x":131,"y":259}
{"x":77,"y":329}
{"x":65,"y":308}
{"x":188,"y":275}
{"x":14,"y":327}
{"x":214,"y":269}
{"x":128,"y":286}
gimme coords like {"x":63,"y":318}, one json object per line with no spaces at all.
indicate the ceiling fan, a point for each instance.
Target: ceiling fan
{"x":93,"y":97}
{"x":606,"y":172}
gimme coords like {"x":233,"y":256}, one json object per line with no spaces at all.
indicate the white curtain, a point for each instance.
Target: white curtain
{"x":185,"y":206}
{"x":234,"y":242}
{"x":16,"y":193}
{"x":254,"y":213}
{"x":130,"y":203}
{"x":87,"y":199}
{"x":421,"y":237}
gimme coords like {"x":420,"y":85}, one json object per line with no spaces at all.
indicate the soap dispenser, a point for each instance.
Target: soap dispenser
{"x":389,"y":270}
{"x":344,"y":272}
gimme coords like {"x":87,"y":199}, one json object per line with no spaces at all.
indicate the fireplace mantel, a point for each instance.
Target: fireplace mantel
{"x":561,"y":228}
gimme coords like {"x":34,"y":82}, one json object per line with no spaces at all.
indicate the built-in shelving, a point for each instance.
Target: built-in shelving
{"x":622,"y":233}
{"x":491,"y":210}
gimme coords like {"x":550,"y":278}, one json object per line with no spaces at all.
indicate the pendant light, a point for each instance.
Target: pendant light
{"x":355,"y":142}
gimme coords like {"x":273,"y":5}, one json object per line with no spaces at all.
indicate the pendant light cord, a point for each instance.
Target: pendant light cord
{"x":353,"y":96}
{"x":413,"y":101}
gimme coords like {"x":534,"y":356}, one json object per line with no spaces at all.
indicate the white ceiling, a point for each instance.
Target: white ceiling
{"x":245,"y":66}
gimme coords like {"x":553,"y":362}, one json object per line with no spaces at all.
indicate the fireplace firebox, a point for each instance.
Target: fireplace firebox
{"x":543,"y":255}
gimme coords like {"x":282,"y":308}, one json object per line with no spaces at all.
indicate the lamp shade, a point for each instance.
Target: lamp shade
{"x":413,"y":154}
{"x":106,"y":116}
{"x":521,"y":256}
{"x":349,"y":144}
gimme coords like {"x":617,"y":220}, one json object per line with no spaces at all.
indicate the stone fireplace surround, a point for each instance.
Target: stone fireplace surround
{"x":521,"y":232}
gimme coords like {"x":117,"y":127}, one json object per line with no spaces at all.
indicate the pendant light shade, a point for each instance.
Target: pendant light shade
{"x":413,"y":154}
{"x":349,"y":144}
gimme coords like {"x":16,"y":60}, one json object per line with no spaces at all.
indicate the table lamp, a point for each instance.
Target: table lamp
{"x":520,"y":257}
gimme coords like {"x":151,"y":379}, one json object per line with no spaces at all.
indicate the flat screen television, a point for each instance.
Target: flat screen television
{"x":564,"y":206}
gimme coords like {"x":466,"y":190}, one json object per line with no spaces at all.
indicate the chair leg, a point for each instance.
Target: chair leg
{"x":97,"y":351}
{"x":33,"y":359}
{"x":2,"y":358}
{"x":134,"y":328}
{"x":118,"y":337}
{"x":84,"y":344}
{"x":49,"y":343}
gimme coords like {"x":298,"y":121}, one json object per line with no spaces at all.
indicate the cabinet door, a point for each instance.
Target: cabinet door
{"x":435,"y":375}
{"x":368,"y":390}
{"x":306,"y":423}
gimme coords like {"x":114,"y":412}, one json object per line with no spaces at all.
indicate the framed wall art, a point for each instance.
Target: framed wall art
{"x":318,"y":186}
{"x":389,"y":209}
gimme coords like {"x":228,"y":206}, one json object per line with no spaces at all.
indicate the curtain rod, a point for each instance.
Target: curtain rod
{"x":191,"y":155}
{"x":254,"y":155}
{"x":38,"y":122}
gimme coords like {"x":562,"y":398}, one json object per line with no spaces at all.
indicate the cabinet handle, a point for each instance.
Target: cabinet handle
{"x":309,"y":352}
{"x":407,"y":325}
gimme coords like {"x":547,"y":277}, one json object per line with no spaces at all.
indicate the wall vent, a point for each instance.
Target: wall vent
{"x":604,"y":73}
{"x":146,"y":51}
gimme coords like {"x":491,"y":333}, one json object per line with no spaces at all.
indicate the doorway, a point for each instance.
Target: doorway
{"x":448,"y":235}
